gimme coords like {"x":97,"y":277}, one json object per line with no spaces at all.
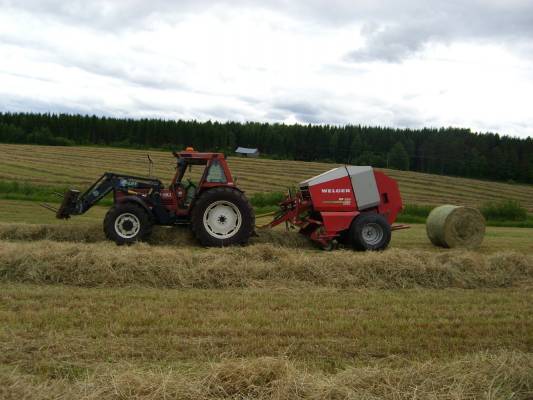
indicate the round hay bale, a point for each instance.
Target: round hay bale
{"x":455,"y":226}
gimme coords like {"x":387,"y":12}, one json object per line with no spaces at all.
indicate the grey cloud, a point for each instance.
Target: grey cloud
{"x":16,"y":103}
{"x":109,"y":65}
{"x":97,"y":14}
{"x":122,"y":71}
{"x":393,"y":30}
{"x":408,"y":118}
{"x":298,"y":107}
{"x":304,"y":111}
{"x":393,"y":39}
{"x":87,"y":106}
{"x":115,"y":15}
{"x":394,"y":44}
{"x":325,"y":109}
{"x":490,"y":16}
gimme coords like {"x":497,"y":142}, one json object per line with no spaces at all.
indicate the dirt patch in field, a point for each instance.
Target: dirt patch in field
{"x":259,"y":265}
{"x":503,"y":375}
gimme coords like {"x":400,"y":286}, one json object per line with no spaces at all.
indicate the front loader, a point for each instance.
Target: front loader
{"x":217,"y":210}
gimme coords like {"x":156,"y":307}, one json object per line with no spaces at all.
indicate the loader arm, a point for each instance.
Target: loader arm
{"x":75,"y":203}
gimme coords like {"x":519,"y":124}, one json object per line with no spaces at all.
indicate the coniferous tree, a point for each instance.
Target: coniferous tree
{"x":398,"y":157}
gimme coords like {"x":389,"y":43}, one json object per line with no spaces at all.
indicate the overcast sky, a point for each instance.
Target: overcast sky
{"x":401,"y":63}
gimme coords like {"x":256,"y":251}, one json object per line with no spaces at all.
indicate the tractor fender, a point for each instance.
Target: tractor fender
{"x":231,"y":186}
{"x":207,"y":189}
{"x":135,"y":200}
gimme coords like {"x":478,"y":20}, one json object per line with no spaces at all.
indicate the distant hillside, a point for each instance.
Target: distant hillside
{"x":445,"y":151}
{"x":80,"y":166}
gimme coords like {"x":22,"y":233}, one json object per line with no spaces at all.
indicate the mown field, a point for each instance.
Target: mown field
{"x":81,"y":318}
{"x":80,"y":166}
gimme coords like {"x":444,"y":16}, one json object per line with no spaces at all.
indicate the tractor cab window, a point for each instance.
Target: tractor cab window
{"x":216,"y":173}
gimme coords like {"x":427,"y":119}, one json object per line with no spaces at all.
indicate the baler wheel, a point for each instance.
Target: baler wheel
{"x":370,"y":231}
{"x":127,"y":223}
{"x":222,"y":216}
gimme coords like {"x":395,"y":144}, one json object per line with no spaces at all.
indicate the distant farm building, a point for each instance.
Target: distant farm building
{"x":246,"y":152}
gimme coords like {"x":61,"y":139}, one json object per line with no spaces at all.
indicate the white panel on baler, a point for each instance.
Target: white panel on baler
{"x":332,"y":174}
{"x":364,"y":185}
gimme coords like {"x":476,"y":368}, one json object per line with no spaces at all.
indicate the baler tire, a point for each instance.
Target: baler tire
{"x":370,"y":231}
{"x":137,"y":214}
{"x":233,"y":201}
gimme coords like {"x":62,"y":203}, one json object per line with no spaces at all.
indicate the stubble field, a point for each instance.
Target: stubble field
{"x":81,"y":318}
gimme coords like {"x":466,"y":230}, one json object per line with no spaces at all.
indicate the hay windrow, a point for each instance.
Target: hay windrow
{"x":503,"y":375}
{"x":454,"y":226}
{"x":261,"y":265}
{"x":161,"y":235}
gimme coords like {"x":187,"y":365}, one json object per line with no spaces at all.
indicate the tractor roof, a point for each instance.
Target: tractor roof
{"x":191,"y":154}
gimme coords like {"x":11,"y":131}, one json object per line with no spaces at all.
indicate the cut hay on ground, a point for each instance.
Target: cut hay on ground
{"x":161,"y":235}
{"x":260,"y":265}
{"x":505,"y":375}
{"x":454,"y":226}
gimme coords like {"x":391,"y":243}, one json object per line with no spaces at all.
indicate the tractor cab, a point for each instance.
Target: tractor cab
{"x":184,"y":189}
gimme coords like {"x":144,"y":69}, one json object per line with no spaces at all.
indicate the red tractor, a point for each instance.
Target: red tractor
{"x":218,"y":212}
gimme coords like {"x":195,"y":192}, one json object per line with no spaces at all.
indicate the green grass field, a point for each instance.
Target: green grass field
{"x":81,"y":318}
{"x":81,"y":166}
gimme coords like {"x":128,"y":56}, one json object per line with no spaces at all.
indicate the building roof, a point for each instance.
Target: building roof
{"x":245,"y":150}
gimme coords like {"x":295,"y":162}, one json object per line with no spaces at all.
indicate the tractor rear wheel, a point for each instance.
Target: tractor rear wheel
{"x":127,"y":223}
{"x":370,"y":231}
{"x":222,"y":216}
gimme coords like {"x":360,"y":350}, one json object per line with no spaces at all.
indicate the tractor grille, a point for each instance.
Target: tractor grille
{"x":304,"y":190}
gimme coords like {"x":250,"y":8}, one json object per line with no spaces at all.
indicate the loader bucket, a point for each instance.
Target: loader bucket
{"x":68,"y":205}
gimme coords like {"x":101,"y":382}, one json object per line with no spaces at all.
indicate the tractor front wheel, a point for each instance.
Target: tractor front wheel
{"x":127,"y":223}
{"x":370,"y":231}
{"x":222,"y":216}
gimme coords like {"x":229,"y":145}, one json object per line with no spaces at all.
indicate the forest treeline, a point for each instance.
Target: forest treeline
{"x":448,"y":151}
